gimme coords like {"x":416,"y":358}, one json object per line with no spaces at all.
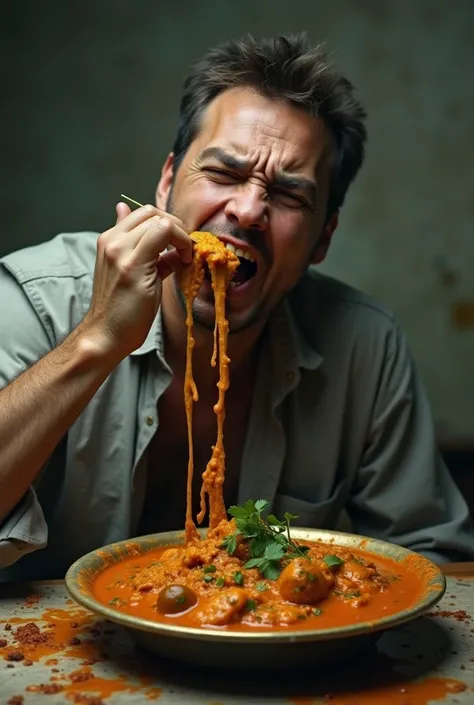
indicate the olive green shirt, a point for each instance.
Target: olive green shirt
{"x":340,"y":431}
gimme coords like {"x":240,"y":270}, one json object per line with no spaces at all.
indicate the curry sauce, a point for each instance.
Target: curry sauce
{"x":331,"y":587}
{"x":248,"y":573}
{"x":222,"y":264}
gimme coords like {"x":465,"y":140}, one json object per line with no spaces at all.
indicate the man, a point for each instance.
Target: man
{"x":326,"y":416}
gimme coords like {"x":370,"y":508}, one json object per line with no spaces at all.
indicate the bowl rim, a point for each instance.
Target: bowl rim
{"x":435,"y":588}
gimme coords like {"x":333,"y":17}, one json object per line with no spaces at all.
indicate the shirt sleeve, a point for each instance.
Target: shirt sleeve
{"x":403,"y":491}
{"x":23,"y":341}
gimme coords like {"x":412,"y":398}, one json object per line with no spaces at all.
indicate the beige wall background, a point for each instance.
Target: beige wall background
{"x":90,"y":92}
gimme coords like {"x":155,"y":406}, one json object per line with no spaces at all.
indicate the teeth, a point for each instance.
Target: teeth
{"x":239,"y":252}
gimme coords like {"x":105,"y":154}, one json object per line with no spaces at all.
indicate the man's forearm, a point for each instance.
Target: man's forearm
{"x":40,"y":405}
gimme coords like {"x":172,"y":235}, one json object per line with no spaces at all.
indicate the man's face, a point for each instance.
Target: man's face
{"x":257,"y":175}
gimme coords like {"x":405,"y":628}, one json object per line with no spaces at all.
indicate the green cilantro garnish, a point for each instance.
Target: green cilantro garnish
{"x":208,"y":578}
{"x":250,"y":605}
{"x":269,"y":563}
{"x":332,"y":561}
{"x":269,"y":539}
{"x":230,"y":543}
{"x":116,"y":601}
{"x":209,"y":568}
{"x":316,"y":611}
{"x":358,"y":560}
{"x":347,"y":595}
{"x":238,"y":577}
{"x":261,"y":587}
{"x":220,"y":582}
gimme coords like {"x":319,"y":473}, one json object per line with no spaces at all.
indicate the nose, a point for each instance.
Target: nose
{"x":248,"y":207}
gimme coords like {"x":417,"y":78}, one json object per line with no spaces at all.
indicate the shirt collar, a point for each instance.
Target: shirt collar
{"x":290,"y":352}
{"x":154,"y":339}
{"x":288,"y":341}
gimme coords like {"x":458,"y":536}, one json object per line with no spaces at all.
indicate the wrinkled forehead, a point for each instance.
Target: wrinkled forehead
{"x":250,"y":125}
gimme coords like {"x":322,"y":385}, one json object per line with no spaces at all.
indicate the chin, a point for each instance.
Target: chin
{"x":204,"y":312}
{"x":204,"y":316}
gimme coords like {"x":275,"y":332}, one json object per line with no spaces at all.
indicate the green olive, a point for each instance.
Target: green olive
{"x":174,"y":599}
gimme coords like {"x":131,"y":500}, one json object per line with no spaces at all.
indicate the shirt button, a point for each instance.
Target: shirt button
{"x":149,"y":420}
{"x":290,"y":376}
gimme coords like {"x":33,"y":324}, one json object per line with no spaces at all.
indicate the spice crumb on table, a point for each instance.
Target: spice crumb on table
{"x":107,"y":669}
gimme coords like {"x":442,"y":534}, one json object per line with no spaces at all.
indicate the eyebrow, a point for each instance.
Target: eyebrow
{"x":292,"y":183}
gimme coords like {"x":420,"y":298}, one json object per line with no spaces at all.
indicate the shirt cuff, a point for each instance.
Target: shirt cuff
{"x":24,"y":530}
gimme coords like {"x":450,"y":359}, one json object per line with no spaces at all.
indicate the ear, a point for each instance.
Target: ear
{"x":165,"y":182}
{"x":325,"y":240}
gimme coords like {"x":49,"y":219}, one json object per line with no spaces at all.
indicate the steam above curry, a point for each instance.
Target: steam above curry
{"x":249,"y":572}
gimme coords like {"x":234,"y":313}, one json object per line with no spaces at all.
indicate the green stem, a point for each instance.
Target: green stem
{"x":293,"y":545}
{"x":289,"y":536}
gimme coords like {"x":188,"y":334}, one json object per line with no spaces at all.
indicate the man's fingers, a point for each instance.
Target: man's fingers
{"x":135,"y":218}
{"x":122,"y":211}
{"x":154,"y":236}
{"x":168,"y":263}
{"x":148,"y":233}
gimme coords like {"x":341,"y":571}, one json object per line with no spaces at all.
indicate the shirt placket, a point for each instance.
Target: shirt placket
{"x":156,"y":379}
{"x":264,"y":451}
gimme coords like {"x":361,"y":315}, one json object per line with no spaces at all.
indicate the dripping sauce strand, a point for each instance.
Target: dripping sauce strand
{"x":222,"y":264}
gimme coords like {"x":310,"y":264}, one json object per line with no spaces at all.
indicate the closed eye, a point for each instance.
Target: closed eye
{"x":222,"y":176}
{"x":286,"y":198}
{"x":282,"y":196}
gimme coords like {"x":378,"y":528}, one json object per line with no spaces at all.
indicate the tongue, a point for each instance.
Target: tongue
{"x":245,"y":271}
{"x":239,"y":276}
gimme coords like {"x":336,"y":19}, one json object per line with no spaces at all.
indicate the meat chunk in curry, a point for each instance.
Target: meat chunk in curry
{"x":218,"y":582}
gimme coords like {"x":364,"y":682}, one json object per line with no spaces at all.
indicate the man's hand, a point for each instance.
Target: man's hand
{"x":131,"y":263}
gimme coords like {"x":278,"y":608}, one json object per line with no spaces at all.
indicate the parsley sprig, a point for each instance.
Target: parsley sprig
{"x":269,"y":539}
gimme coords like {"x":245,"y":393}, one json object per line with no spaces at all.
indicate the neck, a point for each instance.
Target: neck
{"x":242,"y":347}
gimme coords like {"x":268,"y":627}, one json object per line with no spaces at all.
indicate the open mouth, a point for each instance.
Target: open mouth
{"x":244,"y":272}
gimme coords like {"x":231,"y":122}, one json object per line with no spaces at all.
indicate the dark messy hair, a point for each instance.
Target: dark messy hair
{"x":284,"y":68}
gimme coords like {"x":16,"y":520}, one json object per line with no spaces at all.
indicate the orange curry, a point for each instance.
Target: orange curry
{"x":201,"y":584}
{"x":248,"y":572}
{"x":222,"y":264}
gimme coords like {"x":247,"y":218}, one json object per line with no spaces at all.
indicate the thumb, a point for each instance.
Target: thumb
{"x":168,"y":262}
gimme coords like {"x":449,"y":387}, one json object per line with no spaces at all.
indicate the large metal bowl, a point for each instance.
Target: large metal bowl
{"x":276,"y":650}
